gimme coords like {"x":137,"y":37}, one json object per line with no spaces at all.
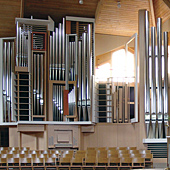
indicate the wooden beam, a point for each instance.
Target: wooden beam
{"x":167,"y":2}
{"x":22,"y":9}
{"x":152,"y":13}
{"x":98,"y":9}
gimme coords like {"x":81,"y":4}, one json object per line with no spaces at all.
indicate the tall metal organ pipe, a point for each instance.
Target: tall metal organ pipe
{"x":153,"y":82}
{"x":165,"y":81}
{"x":147,"y":85}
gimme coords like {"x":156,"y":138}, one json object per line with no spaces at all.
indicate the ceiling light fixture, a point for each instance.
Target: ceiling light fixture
{"x":81,"y":2}
{"x":118,"y":4}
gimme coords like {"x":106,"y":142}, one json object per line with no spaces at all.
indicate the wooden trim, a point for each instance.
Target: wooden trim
{"x":98,"y":9}
{"x":152,"y":13}
{"x":68,"y":27}
{"x":22,"y":9}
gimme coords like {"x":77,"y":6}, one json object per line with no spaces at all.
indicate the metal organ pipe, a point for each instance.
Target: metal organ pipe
{"x":56,"y":58}
{"x":41,"y":86}
{"x":60,"y":50}
{"x":147,"y":86}
{"x":17,"y":38}
{"x":88,"y":61}
{"x":159,"y":49}
{"x":166,"y":80}
{"x":153,"y":80}
{"x":63,"y":48}
{"x":84,"y":66}
{"x":53,"y":57}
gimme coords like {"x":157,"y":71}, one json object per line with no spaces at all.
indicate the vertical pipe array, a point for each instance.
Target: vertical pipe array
{"x":38,"y":86}
{"x":76,"y":68}
{"x":8,"y":56}
{"x":57,"y":53}
{"x":22,"y":49}
{"x":159,"y":100}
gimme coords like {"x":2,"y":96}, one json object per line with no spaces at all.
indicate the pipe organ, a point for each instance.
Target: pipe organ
{"x":73,"y":64}
{"x":47,"y":63}
{"x":156,"y":86}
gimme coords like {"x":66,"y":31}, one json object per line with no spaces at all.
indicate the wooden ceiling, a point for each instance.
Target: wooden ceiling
{"x":9,"y":9}
{"x":109,"y":18}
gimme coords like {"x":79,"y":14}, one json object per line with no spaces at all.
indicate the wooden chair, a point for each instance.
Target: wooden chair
{"x":102,"y":153}
{"x":113,"y":152}
{"x":38,"y":162}
{"x":143,"y":151}
{"x":69,"y":155}
{"x":13,"y":152}
{"x":80,"y":152}
{"x":101,"y":148}
{"x":25,"y":148}
{"x":30,"y":155}
{"x":3,"y":162}
{"x":123,"y":152}
{"x":91,"y":148}
{"x":90,"y":161}
{"x":112,"y":148}
{"x":22,"y":155}
{"x":121,"y":148}
{"x":55,"y":152}
{"x":44,"y":151}
{"x":16,"y":155}
{"x":137,"y":155}
{"x":114,"y":161}
{"x":38,"y":155}
{"x":77,"y":161}
{"x":4,"y":151}
{"x":3,"y":155}
{"x":134,"y":151}
{"x":65,"y":161}
{"x":126,"y":162}
{"x":25,"y":162}
{"x":148,"y":159}
{"x":102,"y":161}
{"x":124,"y":155}
{"x":91,"y":152}
{"x":10,"y":156}
{"x":50,"y":162}
{"x":14,"y":148}
{"x":13,"y":162}
{"x":131,"y":148}
{"x":138,"y":162}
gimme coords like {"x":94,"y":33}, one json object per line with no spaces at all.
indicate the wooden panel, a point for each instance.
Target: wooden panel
{"x":89,"y":129}
{"x":119,"y":21}
{"x":8,"y":11}
{"x":13,"y":137}
{"x":60,"y":132}
{"x":113,"y":135}
{"x":30,"y":128}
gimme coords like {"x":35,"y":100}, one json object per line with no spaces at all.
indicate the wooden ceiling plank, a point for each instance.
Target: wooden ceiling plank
{"x":152,"y":12}
{"x":167,"y":2}
{"x":98,"y":9}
